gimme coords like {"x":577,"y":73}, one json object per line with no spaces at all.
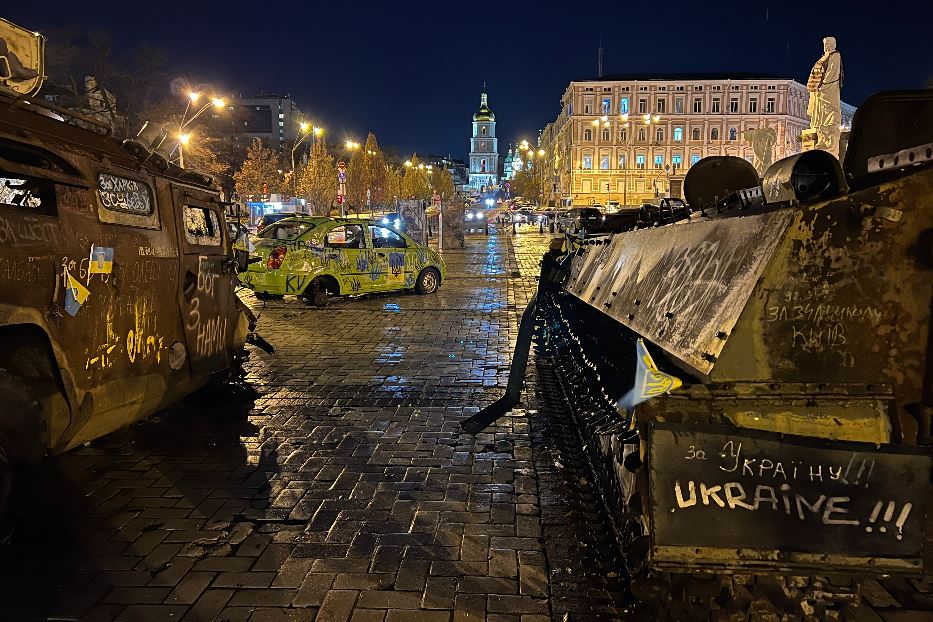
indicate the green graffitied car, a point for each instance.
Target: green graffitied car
{"x":318,"y":257}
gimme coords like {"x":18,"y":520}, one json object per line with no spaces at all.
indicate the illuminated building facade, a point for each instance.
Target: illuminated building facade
{"x":484,"y":152}
{"x":632,"y":138}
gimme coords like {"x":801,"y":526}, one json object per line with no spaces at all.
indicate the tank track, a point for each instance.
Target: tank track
{"x":581,"y":361}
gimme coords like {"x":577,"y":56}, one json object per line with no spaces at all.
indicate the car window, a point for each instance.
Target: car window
{"x":30,"y":193}
{"x":345,"y":236}
{"x":284,"y":231}
{"x":386,"y":238}
{"x":202,"y":226}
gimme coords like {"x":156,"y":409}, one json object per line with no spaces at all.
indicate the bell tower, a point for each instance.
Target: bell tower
{"x":484,"y":151}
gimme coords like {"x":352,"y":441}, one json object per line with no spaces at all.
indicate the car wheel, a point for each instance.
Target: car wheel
{"x":428,"y":281}
{"x":317,"y":293}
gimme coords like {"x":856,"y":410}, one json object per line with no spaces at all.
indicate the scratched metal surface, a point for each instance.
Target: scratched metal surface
{"x":679,"y":286}
{"x":758,"y":490}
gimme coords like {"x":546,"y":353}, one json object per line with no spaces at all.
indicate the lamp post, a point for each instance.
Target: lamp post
{"x":184,"y":137}
{"x":308,"y":130}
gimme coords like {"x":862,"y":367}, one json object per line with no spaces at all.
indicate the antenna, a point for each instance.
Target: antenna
{"x":599,"y":62}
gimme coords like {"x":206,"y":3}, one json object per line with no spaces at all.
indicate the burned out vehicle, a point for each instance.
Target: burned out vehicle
{"x":779,"y":347}
{"x":116,"y":283}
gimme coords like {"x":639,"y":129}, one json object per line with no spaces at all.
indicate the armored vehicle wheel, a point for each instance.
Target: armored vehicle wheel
{"x":428,"y":281}
{"x":20,"y":445}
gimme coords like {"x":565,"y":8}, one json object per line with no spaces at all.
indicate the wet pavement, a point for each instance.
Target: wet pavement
{"x":336,"y":487}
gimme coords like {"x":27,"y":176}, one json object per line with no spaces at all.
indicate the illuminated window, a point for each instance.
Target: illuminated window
{"x":604,"y":162}
{"x":623,"y":105}
{"x":607,"y":105}
{"x":678,"y":134}
{"x":483,"y":130}
{"x":659,"y":161}
{"x":677,"y":161}
{"x":694,"y":159}
{"x":622,"y":160}
{"x":588,"y":162}
{"x":716,"y":105}
{"x":640,"y":161}
{"x":678,"y":105}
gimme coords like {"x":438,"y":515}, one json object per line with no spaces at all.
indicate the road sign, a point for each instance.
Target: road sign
{"x":342,"y":165}
{"x":342,"y":176}
{"x":339,"y":199}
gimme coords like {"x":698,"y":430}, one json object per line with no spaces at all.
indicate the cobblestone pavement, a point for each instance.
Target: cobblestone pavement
{"x":341,"y":489}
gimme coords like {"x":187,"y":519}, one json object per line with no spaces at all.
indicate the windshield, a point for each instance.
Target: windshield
{"x":284,"y":231}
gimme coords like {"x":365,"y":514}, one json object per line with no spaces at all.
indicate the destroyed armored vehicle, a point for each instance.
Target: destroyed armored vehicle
{"x":753,"y":385}
{"x":117,"y":283}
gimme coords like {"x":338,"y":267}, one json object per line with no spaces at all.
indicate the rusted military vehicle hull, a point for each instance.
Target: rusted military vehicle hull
{"x":795,"y":457}
{"x":116,"y":284}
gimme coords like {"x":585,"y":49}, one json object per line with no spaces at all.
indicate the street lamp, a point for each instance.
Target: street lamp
{"x":307,"y":130}
{"x":193,"y":97}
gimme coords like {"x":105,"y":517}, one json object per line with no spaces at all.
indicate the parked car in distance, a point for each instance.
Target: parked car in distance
{"x":668,"y":209}
{"x":577,"y":219}
{"x":317,"y":257}
{"x":267,"y":219}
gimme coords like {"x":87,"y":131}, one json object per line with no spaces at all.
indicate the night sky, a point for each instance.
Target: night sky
{"x":412,"y":71}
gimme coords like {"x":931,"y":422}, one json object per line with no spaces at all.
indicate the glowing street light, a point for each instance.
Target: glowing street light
{"x":194,"y":96}
{"x":408,"y":163}
{"x":184,"y":139}
{"x":307,"y":130}
{"x":540,"y":153}
{"x":303,"y":126}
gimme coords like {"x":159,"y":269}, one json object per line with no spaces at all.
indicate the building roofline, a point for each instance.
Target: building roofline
{"x":655,"y":77}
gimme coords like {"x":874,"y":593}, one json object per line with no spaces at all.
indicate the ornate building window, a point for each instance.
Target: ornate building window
{"x":734,"y":104}
{"x":623,"y":134}
{"x":769,"y":105}
{"x":677,"y":161}
{"x":697,"y":105}
{"x":642,"y":135}
{"x":695,"y":134}
{"x":694,"y":158}
{"x":714,"y":133}
{"x":640,"y":161}
{"x":753,"y":106}
{"x":607,"y":105}
{"x":604,"y":162}
{"x":678,"y":105}
{"x":659,"y":160}
{"x":587,"y":134}
{"x":733,"y":133}
{"x":483,"y":130}
{"x":621,"y":160}
{"x":661,"y":105}
{"x":715,"y":105}
{"x":587,"y":162}
{"x":623,"y":105}
{"x":678,"y":134}
{"x":642,"y":106}
{"x":659,"y":134}
{"x":606,"y":134}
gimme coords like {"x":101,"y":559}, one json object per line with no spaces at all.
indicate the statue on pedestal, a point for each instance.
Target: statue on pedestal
{"x":824,"y":109}
{"x":762,"y":141}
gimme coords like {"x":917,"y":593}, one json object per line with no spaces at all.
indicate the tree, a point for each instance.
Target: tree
{"x":367,"y":171}
{"x":415,"y":184}
{"x":201,"y":154}
{"x":443,"y":183}
{"x":393,"y":187}
{"x":317,"y":180}
{"x":527,"y":182}
{"x":260,"y":171}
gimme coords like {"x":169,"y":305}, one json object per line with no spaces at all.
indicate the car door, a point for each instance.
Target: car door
{"x":207,"y":278}
{"x":345,"y":254}
{"x":390,"y":249}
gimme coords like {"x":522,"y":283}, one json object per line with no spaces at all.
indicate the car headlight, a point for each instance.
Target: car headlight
{"x":470,"y":216}
{"x":397,"y":223}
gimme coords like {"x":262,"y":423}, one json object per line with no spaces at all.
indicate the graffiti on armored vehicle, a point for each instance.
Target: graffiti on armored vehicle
{"x":209,"y":331}
{"x":782,"y":493}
